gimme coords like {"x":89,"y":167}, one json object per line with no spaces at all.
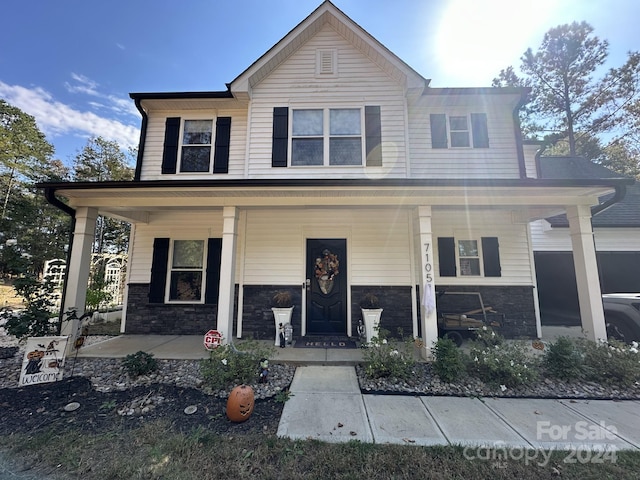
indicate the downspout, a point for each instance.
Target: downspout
{"x":50,"y":195}
{"x":518,"y":134}
{"x":621,"y":191}
{"x":143,"y":136}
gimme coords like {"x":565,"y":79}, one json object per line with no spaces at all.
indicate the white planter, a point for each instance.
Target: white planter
{"x":371,"y":318}
{"x":281,"y":316}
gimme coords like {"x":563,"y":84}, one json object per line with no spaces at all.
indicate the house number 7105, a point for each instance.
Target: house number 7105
{"x":427,"y":263}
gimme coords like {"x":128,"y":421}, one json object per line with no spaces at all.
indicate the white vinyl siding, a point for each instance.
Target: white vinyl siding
{"x":152,"y":160}
{"x":547,"y":239}
{"x":172,"y":225}
{"x":359,"y":82}
{"x":378,"y":252}
{"x":512,"y":238}
{"x":499,"y":160}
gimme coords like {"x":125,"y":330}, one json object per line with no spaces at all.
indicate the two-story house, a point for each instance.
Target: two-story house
{"x":331,"y":169}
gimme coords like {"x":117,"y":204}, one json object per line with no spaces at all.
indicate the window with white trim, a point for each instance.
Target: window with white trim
{"x":459,"y":131}
{"x":469,"y":258}
{"x":187,"y":271}
{"x":458,"y":257}
{"x":330,"y":136}
{"x":195,"y":149}
{"x":469,"y":130}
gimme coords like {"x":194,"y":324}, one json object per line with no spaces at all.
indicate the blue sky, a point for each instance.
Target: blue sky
{"x":72,"y":63}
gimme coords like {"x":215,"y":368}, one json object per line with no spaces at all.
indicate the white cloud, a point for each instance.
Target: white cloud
{"x":84,"y":85}
{"x":55,"y":118}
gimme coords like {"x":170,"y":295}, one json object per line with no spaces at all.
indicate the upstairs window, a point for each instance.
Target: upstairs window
{"x":190,"y":144}
{"x":196,"y":146}
{"x":326,"y":137}
{"x":459,"y":131}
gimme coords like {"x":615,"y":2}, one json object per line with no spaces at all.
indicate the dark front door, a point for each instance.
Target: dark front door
{"x":326,"y":286}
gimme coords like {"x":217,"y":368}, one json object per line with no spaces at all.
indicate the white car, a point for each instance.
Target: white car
{"x":622,"y":316}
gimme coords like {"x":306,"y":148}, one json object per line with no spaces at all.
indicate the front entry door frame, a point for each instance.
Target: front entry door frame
{"x":312,"y":232}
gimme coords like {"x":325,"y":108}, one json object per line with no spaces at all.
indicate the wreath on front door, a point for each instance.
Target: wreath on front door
{"x":326,"y":268}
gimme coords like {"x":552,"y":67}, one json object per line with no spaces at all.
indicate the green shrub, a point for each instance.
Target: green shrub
{"x":139,"y":363}
{"x":37,"y":319}
{"x":449,"y":361}
{"x":497,"y":362}
{"x":227,"y":366}
{"x":562,"y":359}
{"x":387,"y":359}
{"x":613,"y":362}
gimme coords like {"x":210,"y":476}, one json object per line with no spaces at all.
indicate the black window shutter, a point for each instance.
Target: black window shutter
{"x":223,"y":137}
{"x":438,"y":130}
{"x":214,"y":258}
{"x":373,"y":136}
{"x":479,"y":130}
{"x":447,"y":256}
{"x":171,"y":141}
{"x":159,"y":265}
{"x":491,"y":257}
{"x":280,"y":136}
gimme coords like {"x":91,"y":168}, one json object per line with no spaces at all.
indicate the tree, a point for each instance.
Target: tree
{"x":102,"y":160}
{"x":24,"y":151}
{"x":40,"y":229}
{"x":623,"y":157}
{"x":567,"y":101}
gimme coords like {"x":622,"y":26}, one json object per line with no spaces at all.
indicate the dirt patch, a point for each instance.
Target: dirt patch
{"x":8,"y":296}
{"x":39,"y":407}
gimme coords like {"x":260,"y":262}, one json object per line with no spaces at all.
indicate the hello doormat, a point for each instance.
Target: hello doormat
{"x":324,"y":342}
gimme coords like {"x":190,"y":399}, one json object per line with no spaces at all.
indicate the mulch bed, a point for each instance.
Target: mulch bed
{"x":40,"y":407}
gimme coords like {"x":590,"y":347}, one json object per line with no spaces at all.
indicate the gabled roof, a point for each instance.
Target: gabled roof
{"x":625,"y":213}
{"x":327,"y":13}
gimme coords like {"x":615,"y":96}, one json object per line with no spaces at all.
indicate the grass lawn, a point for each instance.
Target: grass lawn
{"x":156,"y":451}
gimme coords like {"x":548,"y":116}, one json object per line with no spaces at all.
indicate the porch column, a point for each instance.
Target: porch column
{"x":428,"y":315}
{"x":78,"y":269}
{"x":227,"y":272}
{"x":587,"y":280}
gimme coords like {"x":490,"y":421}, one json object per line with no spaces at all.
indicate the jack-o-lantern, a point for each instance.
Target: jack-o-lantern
{"x":35,"y":355}
{"x":240,"y":403}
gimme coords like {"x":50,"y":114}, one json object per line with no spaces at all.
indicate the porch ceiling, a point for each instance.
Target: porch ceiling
{"x":134,"y":203}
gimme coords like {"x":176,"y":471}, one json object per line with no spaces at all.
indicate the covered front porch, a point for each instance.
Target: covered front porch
{"x":243,"y":217}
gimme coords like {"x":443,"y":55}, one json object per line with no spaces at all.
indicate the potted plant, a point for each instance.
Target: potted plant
{"x":282,"y":308}
{"x":371,"y":313}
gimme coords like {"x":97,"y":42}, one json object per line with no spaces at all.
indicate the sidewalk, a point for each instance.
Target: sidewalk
{"x":326,"y":404}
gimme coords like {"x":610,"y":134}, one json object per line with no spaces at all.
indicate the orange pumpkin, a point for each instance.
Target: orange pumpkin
{"x":240,"y":403}
{"x":36,"y":354}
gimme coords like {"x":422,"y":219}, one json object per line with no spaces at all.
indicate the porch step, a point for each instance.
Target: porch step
{"x":318,"y":356}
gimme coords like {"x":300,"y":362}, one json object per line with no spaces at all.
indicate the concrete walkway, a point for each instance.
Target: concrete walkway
{"x":326,"y":404}
{"x":191,"y":347}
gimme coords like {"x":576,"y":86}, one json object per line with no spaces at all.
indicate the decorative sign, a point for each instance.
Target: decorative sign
{"x":212,"y":339}
{"x":43,"y":360}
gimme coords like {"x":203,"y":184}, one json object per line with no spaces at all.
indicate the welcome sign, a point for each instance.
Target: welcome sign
{"x":43,"y":360}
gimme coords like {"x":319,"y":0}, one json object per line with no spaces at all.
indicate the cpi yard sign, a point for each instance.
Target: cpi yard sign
{"x":212,"y":339}
{"x":43,"y":360}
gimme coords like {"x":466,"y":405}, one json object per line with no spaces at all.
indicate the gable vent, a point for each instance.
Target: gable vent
{"x":326,"y":63}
